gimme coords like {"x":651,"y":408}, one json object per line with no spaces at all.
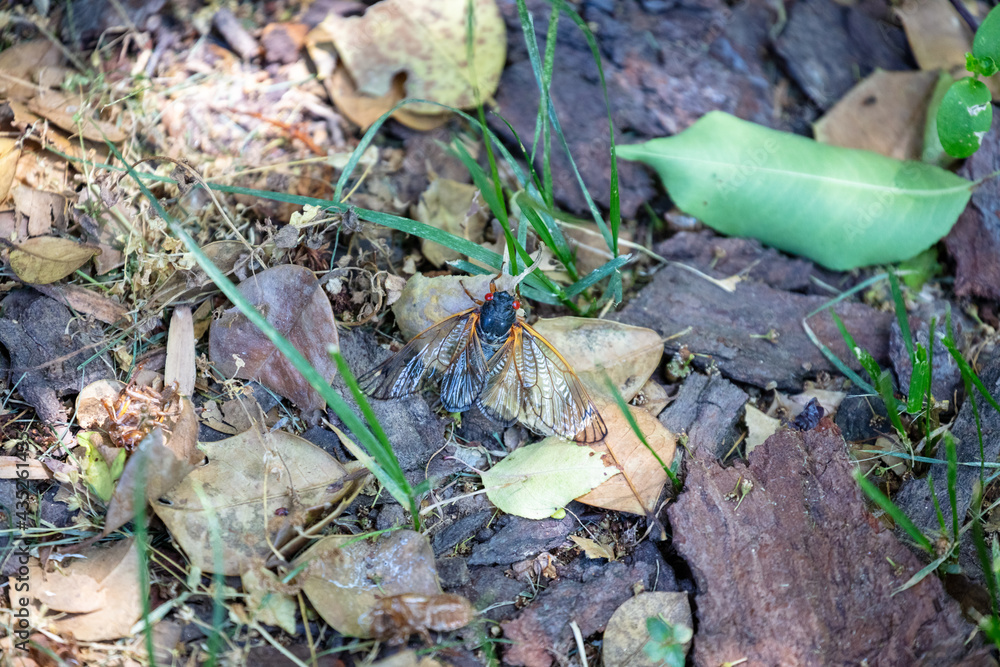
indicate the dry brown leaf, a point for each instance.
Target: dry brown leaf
{"x":938,"y":36}
{"x":45,"y":210}
{"x":456,"y":208}
{"x":628,"y":354}
{"x":10,"y":151}
{"x":290,"y":298}
{"x":247,"y":479}
{"x":637,"y":463}
{"x":22,"y":66}
{"x":626,"y":634}
{"x":343,"y":576}
{"x":885,"y":113}
{"x":65,"y":112}
{"x":158,"y":464}
{"x":46,"y":259}
{"x":100,"y":590}
{"x":427,"y":43}
{"x":86,"y":302}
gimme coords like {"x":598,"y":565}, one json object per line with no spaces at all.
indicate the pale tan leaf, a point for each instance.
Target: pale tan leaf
{"x":626,"y":634}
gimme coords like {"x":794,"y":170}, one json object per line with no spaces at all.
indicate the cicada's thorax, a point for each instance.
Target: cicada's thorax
{"x":496,"y":318}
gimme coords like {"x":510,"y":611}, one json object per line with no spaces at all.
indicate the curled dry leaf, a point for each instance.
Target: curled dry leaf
{"x":628,"y":354}
{"x":343,"y":577}
{"x":23,"y":64}
{"x":10,"y":151}
{"x":642,"y":473}
{"x":364,"y":110}
{"x":46,"y":259}
{"x":45,"y":211}
{"x":290,"y":298}
{"x":456,"y":208}
{"x":536,"y":480}
{"x":427,"y":43}
{"x":268,"y":600}
{"x":99,"y":591}
{"x":162,"y":459}
{"x":626,"y":634}
{"x":247,"y":480}
{"x":652,"y":397}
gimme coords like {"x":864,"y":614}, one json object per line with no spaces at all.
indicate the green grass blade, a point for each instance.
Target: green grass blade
{"x":894,"y":512}
{"x":901,"y":316}
{"x":634,"y":425}
{"x":142,"y":549}
{"x":598,"y":274}
{"x":952,"y":453}
{"x":394,"y":480}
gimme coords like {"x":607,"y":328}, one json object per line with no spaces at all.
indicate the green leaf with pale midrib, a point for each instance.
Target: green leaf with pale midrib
{"x":840,"y":207}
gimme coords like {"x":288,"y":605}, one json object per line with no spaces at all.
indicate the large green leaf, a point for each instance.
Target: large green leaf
{"x":840,"y":207}
{"x":536,"y":480}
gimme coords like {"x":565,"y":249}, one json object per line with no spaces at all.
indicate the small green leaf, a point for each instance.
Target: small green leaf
{"x":536,"y":480}
{"x":920,"y":379}
{"x":986,"y":43}
{"x":658,"y":629}
{"x":841,"y":207}
{"x":964,"y":117}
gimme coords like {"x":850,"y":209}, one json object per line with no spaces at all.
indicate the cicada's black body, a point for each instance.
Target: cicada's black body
{"x":489,"y":357}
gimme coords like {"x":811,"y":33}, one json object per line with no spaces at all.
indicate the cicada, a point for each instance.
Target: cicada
{"x":490,"y":357}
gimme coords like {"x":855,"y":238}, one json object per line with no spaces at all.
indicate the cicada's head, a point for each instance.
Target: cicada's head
{"x":498,"y":314}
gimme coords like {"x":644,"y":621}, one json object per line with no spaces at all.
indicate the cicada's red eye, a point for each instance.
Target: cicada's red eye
{"x":489,"y":297}
{"x":516,"y":305}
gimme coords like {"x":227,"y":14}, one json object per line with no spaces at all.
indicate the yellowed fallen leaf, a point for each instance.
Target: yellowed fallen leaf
{"x":10,"y":151}
{"x":46,"y":259}
{"x":426,"y":42}
{"x":99,"y":589}
{"x":885,"y":113}
{"x":268,"y":600}
{"x":592,"y":549}
{"x":456,"y":208}
{"x":760,"y":427}
{"x":626,"y":634}
{"x":642,"y":473}
{"x":246,"y":480}
{"x":343,"y":576}
{"x":628,"y":354}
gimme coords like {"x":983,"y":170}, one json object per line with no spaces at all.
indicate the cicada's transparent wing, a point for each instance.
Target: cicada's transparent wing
{"x":553,"y":398}
{"x":500,"y":399}
{"x":463,"y":379}
{"x":430,"y":354}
